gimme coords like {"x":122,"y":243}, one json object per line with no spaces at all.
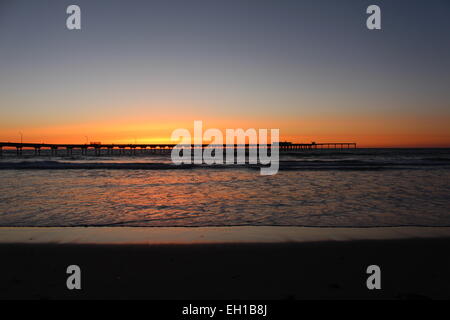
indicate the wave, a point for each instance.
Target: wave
{"x":144,"y":223}
{"x":284,"y":165}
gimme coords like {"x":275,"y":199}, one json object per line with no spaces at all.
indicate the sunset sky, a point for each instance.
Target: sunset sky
{"x":140,"y":69}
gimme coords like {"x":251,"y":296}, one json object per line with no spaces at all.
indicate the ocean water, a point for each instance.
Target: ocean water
{"x":324,"y":188}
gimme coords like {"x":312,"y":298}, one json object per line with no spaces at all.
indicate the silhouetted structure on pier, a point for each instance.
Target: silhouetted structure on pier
{"x":97,"y":147}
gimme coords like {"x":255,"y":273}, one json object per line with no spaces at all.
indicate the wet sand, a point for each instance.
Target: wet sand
{"x":412,"y":268}
{"x":209,"y":235}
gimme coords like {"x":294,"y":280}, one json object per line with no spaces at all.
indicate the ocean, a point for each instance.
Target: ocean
{"x":318,"y":188}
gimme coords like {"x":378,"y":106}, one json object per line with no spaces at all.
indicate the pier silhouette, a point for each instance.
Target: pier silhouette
{"x":161,"y":147}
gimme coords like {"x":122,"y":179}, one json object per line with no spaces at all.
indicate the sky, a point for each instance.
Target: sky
{"x":137,"y":70}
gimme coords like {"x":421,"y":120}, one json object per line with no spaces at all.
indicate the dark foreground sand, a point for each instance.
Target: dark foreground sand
{"x":411,"y":269}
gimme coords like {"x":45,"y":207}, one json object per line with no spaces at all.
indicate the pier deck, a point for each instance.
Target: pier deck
{"x":283,"y":147}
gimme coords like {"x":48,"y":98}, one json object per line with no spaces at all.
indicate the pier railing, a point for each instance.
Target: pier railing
{"x":122,"y":148}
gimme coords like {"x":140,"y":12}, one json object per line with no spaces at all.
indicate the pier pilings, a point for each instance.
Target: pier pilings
{"x":130,"y":149}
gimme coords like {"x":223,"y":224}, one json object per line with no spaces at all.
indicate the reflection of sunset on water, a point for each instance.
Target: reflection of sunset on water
{"x":216,"y":197}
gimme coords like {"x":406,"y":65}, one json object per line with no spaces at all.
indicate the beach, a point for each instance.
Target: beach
{"x":140,"y":229}
{"x":319,"y":263}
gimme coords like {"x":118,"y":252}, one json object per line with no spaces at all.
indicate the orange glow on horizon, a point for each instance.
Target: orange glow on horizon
{"x":366,"y":131}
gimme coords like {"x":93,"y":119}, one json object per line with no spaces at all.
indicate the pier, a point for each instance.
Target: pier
{"x":130,"y":149}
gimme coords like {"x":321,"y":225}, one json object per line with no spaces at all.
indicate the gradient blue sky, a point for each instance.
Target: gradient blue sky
{"x":140,"y":69}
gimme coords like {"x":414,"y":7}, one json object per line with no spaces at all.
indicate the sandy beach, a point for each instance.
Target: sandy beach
{"x":267,"y":263}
